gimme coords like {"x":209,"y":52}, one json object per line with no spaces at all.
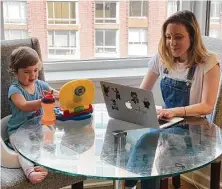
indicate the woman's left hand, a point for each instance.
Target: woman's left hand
{"x":165,"y":113}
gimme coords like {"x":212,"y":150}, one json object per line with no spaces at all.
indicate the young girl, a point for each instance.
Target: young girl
{"x":25,"y":100}
{"x":189,"y":73}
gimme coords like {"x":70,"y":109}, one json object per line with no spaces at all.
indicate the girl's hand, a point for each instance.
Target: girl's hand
{"x":165,"y":113}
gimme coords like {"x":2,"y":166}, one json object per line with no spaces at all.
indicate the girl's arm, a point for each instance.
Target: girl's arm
{"x":149,"y":80}
{"x":209,"y":95}
{"x":24,"y":105}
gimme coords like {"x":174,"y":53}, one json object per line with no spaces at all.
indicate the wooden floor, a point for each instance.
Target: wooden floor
{"x":184,"y":185}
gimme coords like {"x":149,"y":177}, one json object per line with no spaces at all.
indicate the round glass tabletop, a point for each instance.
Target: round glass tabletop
{"x":105,"y":148}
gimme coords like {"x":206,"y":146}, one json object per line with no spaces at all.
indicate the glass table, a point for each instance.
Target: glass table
{"x":105,"y":148}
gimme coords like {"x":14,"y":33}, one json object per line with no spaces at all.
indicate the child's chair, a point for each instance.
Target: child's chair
{"x":9,"y":158}
{"x":15,"y":178}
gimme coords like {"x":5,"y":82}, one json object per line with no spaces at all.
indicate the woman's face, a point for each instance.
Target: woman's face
{"x":177,"y":41}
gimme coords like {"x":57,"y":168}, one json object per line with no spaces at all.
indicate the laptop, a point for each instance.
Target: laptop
{"x":134,"y":105}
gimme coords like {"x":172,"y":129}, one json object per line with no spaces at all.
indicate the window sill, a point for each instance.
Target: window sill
{"x":95,"y":75}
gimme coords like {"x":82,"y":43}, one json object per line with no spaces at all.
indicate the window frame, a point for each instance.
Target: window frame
{"x":76,"y":19}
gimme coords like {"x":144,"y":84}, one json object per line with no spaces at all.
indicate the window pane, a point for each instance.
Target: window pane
{"x":145,"y":8}
{"x":15,"y":34}
{"x":7,"y":37}
{"x":61,"y":39}
{"x":13,"y":10}
{"x":65,"y":10}
{"x":50,"y":38}
{"x":24,"y":34}
{"x":110,"y":38}
{"x":134,"y":35}
{"x":110,"y":50}
{"x":50,"y":9}
{"x":143,"y":36}
{"x":99,"y":38}
{"x":99,"y":50}
{"x":5,"y":12}
{"x":215,"y":33}
{"x":99,"y":9}
{"x":135,"y":8}
{"x":172,"y":7}
{"x":62,"y":52}
{"x":72,"y":10}
{"x":23,"y":10}
{"x":110,"y":10}
{"x":72,"y":39}
{"x":58,"y":9}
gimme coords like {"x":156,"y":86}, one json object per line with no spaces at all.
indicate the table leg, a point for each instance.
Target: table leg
{"x":176,"y":182}
{"x":78,"y":185}
{"x":215,"y":175}
{"x":118,"y":184}
{"x":164,"y":183}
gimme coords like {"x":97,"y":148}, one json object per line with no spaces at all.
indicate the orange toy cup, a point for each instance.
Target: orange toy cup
{"x":48,"y":104}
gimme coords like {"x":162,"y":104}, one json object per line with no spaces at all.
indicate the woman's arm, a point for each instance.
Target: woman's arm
{"x":208,"y":100}
{"x":149,"y":80}
{"x":55,"y":92}
{"x":24,"y":105}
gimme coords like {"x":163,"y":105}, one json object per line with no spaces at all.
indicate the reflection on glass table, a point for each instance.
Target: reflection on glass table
{"x":104,"y":148}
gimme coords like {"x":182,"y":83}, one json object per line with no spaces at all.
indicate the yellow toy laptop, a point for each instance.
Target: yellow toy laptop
{"x":75,"y":98}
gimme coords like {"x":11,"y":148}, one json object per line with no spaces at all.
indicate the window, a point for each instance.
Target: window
{"x":215,"y":11}
{"x":172,"y":7}
{"x":61,"y":12}
{"x":62,"y":44}
{"x":15,"y":34}
{"x":89,"y":30}
{"x":214,"y":33}
{"x":215,"y":29}
{"x":105,"y":43}
{"x":138,"y":8}
{"x":14,"y":12}
{"x":137,"y":42}
{"x":105,"y":12}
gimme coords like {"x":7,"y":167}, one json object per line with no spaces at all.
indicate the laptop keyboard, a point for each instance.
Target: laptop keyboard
{"x":161,"y":121}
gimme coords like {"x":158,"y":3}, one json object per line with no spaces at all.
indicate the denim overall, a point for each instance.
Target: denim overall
{"x":175,"y":94}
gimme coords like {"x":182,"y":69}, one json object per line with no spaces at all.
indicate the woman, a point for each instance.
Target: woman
{"x":189,"y":73}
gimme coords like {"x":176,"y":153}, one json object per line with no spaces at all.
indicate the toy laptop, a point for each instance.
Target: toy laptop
{"x":133,"y":105}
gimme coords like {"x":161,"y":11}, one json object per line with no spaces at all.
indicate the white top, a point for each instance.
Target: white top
{"x":179,"y":72}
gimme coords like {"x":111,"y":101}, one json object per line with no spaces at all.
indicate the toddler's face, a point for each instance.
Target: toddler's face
{"x":177,"y":40}
{"x":27,"y":76}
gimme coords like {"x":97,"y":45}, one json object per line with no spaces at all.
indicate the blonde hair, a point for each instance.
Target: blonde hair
{"x":22,"y":57}
{"x":197,"y":50}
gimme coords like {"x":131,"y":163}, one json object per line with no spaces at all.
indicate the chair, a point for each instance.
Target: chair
{"x":13,"y":177}
{"x":214,"y":45}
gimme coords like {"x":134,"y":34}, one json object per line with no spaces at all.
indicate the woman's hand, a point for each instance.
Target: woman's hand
{"x":165,"y":113}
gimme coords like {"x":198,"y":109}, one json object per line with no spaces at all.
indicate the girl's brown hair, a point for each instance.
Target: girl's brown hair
{"x":197,"y":50}
{"x":22,"y":57}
